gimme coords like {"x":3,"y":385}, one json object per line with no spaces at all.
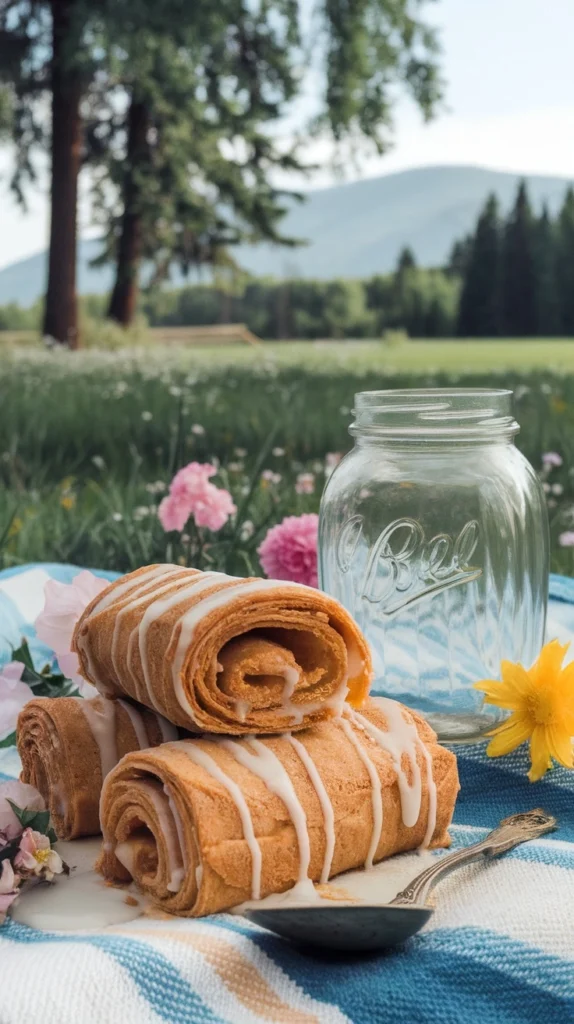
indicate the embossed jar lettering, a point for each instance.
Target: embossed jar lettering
{"x":402,"y":566}
{"x":433,"y":534}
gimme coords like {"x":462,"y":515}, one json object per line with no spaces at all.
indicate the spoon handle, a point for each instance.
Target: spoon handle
{"x":519,"y":828}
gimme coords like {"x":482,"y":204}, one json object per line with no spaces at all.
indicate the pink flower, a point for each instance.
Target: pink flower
{"x":270,"y":477}
{"x":36,"y":856}
{"x":13,"y":695}
{"x":289,"y":551}
{"x":192,"y":494}
{"x":173,"y":512}
{"x":9,"y":883}
{"x":23,"y":796}
{"x":305,"y":483}
{"x":63,"y":605}
{"x":566,"y":539}
{"x":213,"y":507}
{"x":550,"y":459}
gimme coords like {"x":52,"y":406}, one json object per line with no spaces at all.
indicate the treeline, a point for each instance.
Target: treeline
{"x":423,"y":303}
{"x":517,"y":272}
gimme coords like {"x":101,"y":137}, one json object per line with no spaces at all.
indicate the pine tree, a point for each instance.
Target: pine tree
{"x":59,"y":51}
{"x":547,"y":299}
{"x":519,"y":279}
{"x":565,"y":263}
{"x":479,"y":314}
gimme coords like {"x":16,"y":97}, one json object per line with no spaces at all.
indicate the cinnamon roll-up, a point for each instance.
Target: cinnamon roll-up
{"x":203,"y":824}
{"x":219,"y":654}
{"x":68,"y":745}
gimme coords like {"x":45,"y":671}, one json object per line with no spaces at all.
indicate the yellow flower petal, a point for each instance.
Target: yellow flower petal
{"x":539,"y":754}
{"x":560,"y":745}
{"x":503,"y":695}
{"x":549,"y":662}
{"x":516,"y":678}
{"x":508,"y":736}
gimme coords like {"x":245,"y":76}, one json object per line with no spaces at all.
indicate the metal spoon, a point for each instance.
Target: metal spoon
{"x":362,"y":927}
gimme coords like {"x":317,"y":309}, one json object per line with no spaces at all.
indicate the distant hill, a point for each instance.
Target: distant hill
{"x":354,"y":230}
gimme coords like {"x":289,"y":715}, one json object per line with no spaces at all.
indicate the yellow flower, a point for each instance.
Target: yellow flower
{"x":68,"y":501}
{"x":557,"y":404}
{"x":542,"y":703}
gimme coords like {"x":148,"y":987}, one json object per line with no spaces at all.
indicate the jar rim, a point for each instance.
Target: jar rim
{"x":435,"y":413}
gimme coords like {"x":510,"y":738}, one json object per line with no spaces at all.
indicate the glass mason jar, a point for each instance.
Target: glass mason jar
{"x":434,"y":535}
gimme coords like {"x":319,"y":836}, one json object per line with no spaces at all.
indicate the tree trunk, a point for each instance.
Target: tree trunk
{"x":60,"y":313}
{"x":123,"y":301}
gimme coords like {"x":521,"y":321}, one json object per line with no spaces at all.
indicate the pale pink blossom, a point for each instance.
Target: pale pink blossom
{"x":63,"y":605}
{"x":173,"y":512}
{"x":550,"y":459}
{"x":213,"y":507}
{"x":191,"y":493}
{"x":289,"y":551}
{"x":270,"y":477}
{"x":332,"y":459}
{"x":36,"y":855}
{"x":23,"y":796}
{"x":566,"y":539}
{"x":13,"y":695}
{"x":305,"y":483}
{"x":9,"y":883}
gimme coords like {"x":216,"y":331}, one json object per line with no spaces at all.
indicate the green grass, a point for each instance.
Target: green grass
{"x":88,"y":440}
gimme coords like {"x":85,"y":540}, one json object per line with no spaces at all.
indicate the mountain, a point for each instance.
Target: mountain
{"x":353,"y":230}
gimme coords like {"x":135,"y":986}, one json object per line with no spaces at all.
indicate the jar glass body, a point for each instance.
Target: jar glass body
{"x":435,"y":538}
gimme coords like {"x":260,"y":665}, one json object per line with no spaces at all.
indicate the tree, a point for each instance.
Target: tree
{"x":519,"y":284}
{"x":565,"y":263}
{"x":459,"y":258}
{"x":479,"y":314}
{"x":64,"y":49}
{"x":547,"y":298}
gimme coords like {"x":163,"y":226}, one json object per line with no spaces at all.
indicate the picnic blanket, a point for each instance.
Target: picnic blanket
{"x":499,"y":948}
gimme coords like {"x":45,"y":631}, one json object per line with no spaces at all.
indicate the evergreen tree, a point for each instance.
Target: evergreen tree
{"x":565,"y":263}
{"x":519,"y":278}
{"x":479,"y":314}
{"x":459,"y":257}
{"x":547,"y":299}
{"x":60,"y":51}
{"x":406,"y":261}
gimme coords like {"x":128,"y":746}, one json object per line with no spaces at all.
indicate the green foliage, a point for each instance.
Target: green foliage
{"x":480,"y":311}
{"x":517,"y":273}
{"x":83,"y":470}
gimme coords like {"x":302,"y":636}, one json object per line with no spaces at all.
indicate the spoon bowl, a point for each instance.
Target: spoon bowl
{"x":367,"y":927}
{"x":359,"y":929}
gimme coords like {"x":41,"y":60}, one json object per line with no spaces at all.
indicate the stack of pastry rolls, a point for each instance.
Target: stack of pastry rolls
{"x":233,"y":750}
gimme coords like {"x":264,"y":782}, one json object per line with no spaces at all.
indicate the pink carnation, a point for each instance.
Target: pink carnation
{"x":63,"y":605}
{"x":24,"y":796}
{"x":173,"y":512}
{"x":192,"y":494}
{"x":289,"y":551}
{"x":9,"y":883}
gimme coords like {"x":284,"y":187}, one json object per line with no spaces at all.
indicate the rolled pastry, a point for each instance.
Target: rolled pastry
{"x":220,"y":654}
{"x":68,"y":745}
{"x":203,"y":824}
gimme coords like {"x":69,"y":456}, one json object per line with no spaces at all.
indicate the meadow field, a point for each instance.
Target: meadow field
{"x":89,"y":441}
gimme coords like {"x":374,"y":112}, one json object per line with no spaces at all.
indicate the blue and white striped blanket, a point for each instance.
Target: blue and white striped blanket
{"x":499,"y":948}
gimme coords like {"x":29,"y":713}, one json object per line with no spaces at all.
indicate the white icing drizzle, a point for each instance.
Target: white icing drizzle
{"x":376,"y":791}
{"x":139,"y":597}
{"x":109,"y":597}
{"x":323,"y":797}
{"x":193,"y":616}
{"x":169,"y":831}
{"x":267,"y":766}
{"x":242,"y":709}
{"x":102,"y":724}
{"x":199,"y":582}
{"x":178,"y":824}
{"x":168,"y":731}
{"x":136,"y":718}
{"x":402,"y":739}
{"x":291,"y":675}
{"x":206,"y":762}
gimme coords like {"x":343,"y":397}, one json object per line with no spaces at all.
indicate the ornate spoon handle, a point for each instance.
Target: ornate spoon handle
{"x":519,"y":828}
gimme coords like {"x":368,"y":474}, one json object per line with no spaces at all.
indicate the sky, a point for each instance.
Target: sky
{"x":509,"y":106}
